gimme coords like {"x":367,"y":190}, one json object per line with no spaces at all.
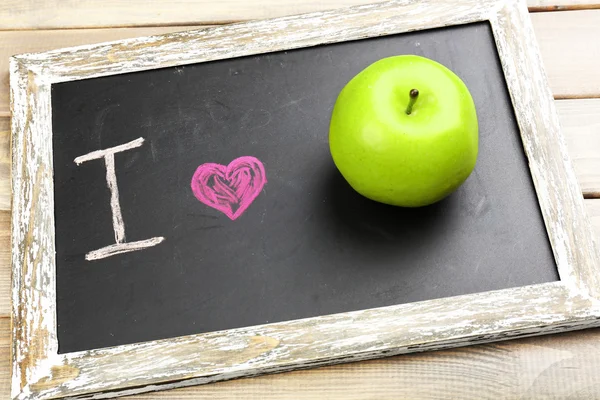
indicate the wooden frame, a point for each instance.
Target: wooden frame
{"x":39,"y":372}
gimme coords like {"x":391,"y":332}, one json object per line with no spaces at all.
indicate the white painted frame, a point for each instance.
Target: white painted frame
{"x":39,"y":372}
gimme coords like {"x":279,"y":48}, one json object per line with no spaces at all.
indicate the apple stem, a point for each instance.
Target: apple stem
{"x":414,"y":93}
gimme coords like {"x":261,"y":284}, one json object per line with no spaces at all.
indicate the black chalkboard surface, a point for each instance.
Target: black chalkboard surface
{"x":307,"y":244}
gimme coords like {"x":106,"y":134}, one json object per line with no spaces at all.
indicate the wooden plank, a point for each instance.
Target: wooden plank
{"x":42,"y":14}
{"x":570,"y":57}
{"x":5,"y":338}
{"x":5,"y":271}
{"x":570,"y":51}
{"x":557,"y":5}
{"x":593,"y":207}
{"x":5,"y":188}
{"x":580,"y":120}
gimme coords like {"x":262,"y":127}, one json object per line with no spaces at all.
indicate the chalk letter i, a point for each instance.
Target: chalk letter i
{"x":121,"y":246}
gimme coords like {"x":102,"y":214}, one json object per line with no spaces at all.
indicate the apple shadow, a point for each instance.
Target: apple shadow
{"x":379,"y":230}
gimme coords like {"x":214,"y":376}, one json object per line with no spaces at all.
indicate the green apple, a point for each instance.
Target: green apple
{"x":404,"y":131}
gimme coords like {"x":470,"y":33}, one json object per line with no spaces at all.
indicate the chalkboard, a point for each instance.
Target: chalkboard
{"x":303,"y":243}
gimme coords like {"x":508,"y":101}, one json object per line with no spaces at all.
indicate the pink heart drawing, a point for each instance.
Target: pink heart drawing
{"x":230,"y":189}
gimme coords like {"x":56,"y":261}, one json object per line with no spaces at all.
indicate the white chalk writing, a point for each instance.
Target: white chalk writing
{"x":121,"y":246}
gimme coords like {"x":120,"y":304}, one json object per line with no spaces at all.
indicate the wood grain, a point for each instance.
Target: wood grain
{"x":561,"y":366}
{"x":557,"y":5}
{"x":580,"y":120}
{"x":32,"y":229}
{"x":4,"y":336}
{"x":53,"y":14}
{"x":571,"y":60}
{"x":5,"y":189}
{"x":5,"y":271}
{"x":570,"y":57}
{"x":594,"y":213}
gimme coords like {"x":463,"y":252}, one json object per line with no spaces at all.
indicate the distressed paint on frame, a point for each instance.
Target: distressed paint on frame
{"x":39,"y":372}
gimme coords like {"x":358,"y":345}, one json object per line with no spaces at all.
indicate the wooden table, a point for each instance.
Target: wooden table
{"x":565,"y":366}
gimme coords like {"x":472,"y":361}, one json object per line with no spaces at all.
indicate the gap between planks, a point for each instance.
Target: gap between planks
{"x":568,"y":7}
{"x":43,"y":14}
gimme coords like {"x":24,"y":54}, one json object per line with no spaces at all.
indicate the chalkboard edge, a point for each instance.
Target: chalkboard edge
{"x":39,"y":372}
